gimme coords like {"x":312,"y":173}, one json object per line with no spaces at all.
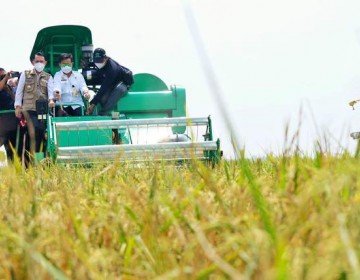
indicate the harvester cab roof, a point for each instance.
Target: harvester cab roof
{"x":55,"y":40}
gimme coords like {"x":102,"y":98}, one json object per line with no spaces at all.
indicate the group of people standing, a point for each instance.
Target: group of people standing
{"x":66,"y":91}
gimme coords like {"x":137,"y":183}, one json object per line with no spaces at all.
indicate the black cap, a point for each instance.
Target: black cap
{"x":99,"y":55}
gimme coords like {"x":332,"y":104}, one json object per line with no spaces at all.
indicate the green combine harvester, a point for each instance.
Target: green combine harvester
{"x":132,"y":133}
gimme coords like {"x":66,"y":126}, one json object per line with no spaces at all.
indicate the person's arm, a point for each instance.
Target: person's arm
{"x":82,"y":84}
{"x":83,"y":87}
{"x":4,"y":80}
{"x":57,"y":82}
{"x":50,"y":88}
{"x":57,"y":86}
{"x":19,"y":95}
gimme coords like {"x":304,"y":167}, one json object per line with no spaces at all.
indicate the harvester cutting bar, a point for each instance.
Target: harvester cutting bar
{"x":113,"y":124}
{"x":137,"y":152}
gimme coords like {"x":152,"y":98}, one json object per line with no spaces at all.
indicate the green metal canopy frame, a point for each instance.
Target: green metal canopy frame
{"x":55,"y":40}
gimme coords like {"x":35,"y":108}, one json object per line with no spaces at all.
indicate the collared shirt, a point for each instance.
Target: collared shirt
{"x":21,"y":85}
{"x":71,"y":88}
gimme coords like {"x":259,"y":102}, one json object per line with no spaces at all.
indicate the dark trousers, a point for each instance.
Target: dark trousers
{"x":8,"y":135}
{"x":68,"y":111}
{"x":35,"y":130}
{"x":110,"y":99}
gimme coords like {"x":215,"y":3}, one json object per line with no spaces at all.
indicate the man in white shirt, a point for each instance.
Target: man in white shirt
{"x":69,"y":87}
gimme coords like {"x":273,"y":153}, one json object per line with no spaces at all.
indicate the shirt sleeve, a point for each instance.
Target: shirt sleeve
{"x":82,"y":84}
{"x":20,"y":91}
{"x":57,"y":82}
{"x":51,"y":88}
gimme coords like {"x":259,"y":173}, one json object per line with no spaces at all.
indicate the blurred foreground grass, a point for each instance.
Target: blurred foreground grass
{"x":272,"y":218}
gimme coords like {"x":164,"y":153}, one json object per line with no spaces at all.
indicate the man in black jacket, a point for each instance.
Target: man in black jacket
{"x":115,"y":82}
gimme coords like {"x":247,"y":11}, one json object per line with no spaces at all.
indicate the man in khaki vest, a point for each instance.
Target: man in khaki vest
{"x":34,"y":85}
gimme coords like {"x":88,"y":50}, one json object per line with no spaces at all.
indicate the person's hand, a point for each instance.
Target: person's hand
{"x":57,"y":95}
{"x":86,"y":95}
{"x":8,"y":75}
{"x":51,"y":103}
{"x":12,"y":82}
{"x":18,"y":113}
{"x":91,"y":109}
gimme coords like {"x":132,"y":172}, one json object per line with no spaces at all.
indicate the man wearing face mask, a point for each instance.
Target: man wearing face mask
{"x":34,"y":85}
{"x":115,"y":82}
{"x":69,"y":87}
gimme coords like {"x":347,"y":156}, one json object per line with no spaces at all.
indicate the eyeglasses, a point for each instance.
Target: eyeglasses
{"x":66,"y":64}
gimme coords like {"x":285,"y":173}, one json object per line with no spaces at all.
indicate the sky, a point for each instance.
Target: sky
{"x":269,"y":64}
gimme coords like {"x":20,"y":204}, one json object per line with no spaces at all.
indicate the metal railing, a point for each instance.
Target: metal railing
{"x":185,"y":149}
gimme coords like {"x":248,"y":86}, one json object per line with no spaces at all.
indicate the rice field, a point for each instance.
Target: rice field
{"x":280,"y":217}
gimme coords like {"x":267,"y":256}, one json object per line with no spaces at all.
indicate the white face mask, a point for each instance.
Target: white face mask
{"x":66,"y":69}
{"x":100,"y":65}
{"x":39,"y":66}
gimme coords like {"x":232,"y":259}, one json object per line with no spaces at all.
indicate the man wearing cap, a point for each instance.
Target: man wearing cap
{"x":115,"y":81}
